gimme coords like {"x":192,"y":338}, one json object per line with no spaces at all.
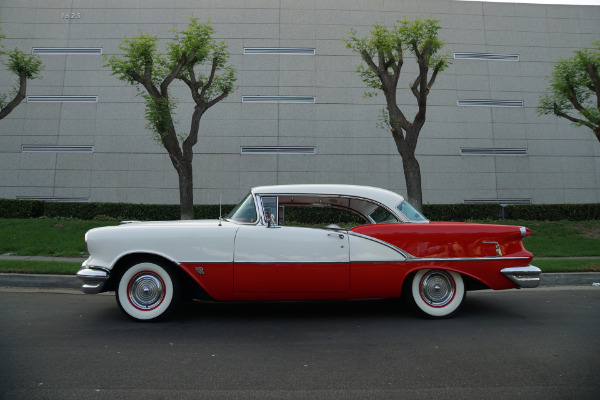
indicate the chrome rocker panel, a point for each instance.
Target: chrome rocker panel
{"x":93,"y":279}
{"x":524,"y":277}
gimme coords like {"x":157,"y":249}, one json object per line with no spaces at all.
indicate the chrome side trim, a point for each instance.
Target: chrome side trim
{"x":93,"y":279}
{"x":524,"y":277}
{"x":417,"y":259}
{"x":423,"y":260}
{"x":290,"y":262}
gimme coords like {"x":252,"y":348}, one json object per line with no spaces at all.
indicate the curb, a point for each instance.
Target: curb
{"x":71,"y":281}
{"x":572,"y":278}
{"x":40,"y":281}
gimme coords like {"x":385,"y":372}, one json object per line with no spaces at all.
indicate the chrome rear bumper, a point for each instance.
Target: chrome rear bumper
{"x":93,"y":279}
{"x":524,"y":277}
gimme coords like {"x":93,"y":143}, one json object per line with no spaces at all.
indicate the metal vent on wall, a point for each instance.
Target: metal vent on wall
{"x":278,"y":99}
{"x":486,"y":56}
{"x":280,"y":50}
{"x":278,"y":150}
{"x":67,"y":50}
{"x":498,"y":201}
{"x":489,"y":103}
{"x":56,"y":199}
{"x":492,"y":151}
{"x":62,"y":99}
{"x":32,"y":148}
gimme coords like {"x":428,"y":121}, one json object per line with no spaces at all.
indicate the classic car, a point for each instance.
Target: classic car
{"x":252,"y":255}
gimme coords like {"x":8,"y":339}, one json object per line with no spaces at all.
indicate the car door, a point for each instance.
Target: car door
{"x":282,"y":259}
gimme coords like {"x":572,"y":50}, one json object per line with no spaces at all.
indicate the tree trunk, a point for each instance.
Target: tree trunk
{"x":19,"y":97}
{"x":186,"y":189}
{"x":412,"y":175}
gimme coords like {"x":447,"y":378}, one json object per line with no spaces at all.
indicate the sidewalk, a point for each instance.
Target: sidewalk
{"x":71,"y":282}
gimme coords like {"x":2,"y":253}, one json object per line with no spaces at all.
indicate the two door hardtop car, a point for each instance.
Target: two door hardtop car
{"x":252,"y":255}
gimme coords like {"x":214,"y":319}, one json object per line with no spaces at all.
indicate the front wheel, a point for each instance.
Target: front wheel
{"x":437,"y":293}
{"x":147,"y":291}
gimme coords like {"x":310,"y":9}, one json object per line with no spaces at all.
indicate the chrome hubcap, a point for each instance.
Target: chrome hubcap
{"x":437,"y":288}
{"x":146,"y":290}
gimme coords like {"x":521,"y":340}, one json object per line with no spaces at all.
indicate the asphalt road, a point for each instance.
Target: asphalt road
{"x":530,"y":344}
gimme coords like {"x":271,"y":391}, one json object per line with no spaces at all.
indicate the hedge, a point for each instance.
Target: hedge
{"x":104,"y":211}
{"x":461,"y":212}
{"x":555,"y":212}
{"x":159,"y":212}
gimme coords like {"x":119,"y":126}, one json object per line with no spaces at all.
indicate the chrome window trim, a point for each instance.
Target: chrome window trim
{"x":396,"y":213}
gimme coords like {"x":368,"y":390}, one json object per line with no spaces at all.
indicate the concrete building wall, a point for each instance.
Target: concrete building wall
{"x":121,"y":163}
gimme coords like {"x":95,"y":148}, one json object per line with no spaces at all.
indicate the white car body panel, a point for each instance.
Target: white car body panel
{"x":178,"y":241}
{"x":363,"y":249}
{"x":258,"y":244}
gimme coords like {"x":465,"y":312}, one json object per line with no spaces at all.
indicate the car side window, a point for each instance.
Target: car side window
{"x":382,"y":216}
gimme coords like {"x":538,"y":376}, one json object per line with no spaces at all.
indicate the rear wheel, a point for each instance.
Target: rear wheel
{"x":147,"y":291}
{"x":437,"y":293}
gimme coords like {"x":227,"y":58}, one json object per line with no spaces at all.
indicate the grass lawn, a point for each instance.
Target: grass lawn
{"x":45,"y":236}
{"x":578,"y":265}
{"x":39,"y":267}
{"x":562,"y":238}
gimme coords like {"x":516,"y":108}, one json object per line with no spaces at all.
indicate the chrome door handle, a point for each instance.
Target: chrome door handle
{"x":339,"y":235}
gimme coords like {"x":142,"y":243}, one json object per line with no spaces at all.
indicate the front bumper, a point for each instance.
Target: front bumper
{"x":93,"y":279}
{"x":523,"y":277}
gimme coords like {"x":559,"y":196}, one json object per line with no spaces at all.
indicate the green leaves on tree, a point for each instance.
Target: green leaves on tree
{"x":574,"y":92}
{"x":383,"y":53}
{"x":192,"y":57}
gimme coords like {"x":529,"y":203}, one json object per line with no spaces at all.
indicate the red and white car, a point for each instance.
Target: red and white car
{"x":252,"y":255}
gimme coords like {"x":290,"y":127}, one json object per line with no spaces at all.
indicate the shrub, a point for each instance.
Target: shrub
{"x":21,"y":208}
{"x":306,"y":215}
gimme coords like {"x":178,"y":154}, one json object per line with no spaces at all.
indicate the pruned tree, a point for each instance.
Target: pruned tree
{"x":383,"y":52}
{"x":26,"y":67}
{"x":192,"y":57}
{"x":574,"y":92}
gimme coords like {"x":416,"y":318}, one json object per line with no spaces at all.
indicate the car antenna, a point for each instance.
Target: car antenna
{"x":220,"y":207}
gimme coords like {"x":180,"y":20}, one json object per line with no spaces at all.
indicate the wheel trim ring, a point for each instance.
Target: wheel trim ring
{"x":146,"y":290}
{"x":437,"y":289}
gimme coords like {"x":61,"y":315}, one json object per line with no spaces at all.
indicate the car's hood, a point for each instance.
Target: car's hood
{"x":150,"y":226}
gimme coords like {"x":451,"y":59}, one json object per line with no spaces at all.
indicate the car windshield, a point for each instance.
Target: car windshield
{"x":245,"y":211}
{"x":410,"y":213}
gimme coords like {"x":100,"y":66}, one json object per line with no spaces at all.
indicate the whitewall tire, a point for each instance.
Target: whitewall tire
{"x":147,"y":291}
{"x":437,"y":293}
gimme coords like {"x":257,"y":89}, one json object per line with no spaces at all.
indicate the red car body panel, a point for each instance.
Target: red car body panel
{"x":450,"y":239}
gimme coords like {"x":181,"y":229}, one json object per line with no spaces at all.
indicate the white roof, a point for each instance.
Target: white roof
{"x":382,"y":196}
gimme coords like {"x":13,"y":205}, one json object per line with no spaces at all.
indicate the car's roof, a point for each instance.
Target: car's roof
{"x":379,"y":195}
